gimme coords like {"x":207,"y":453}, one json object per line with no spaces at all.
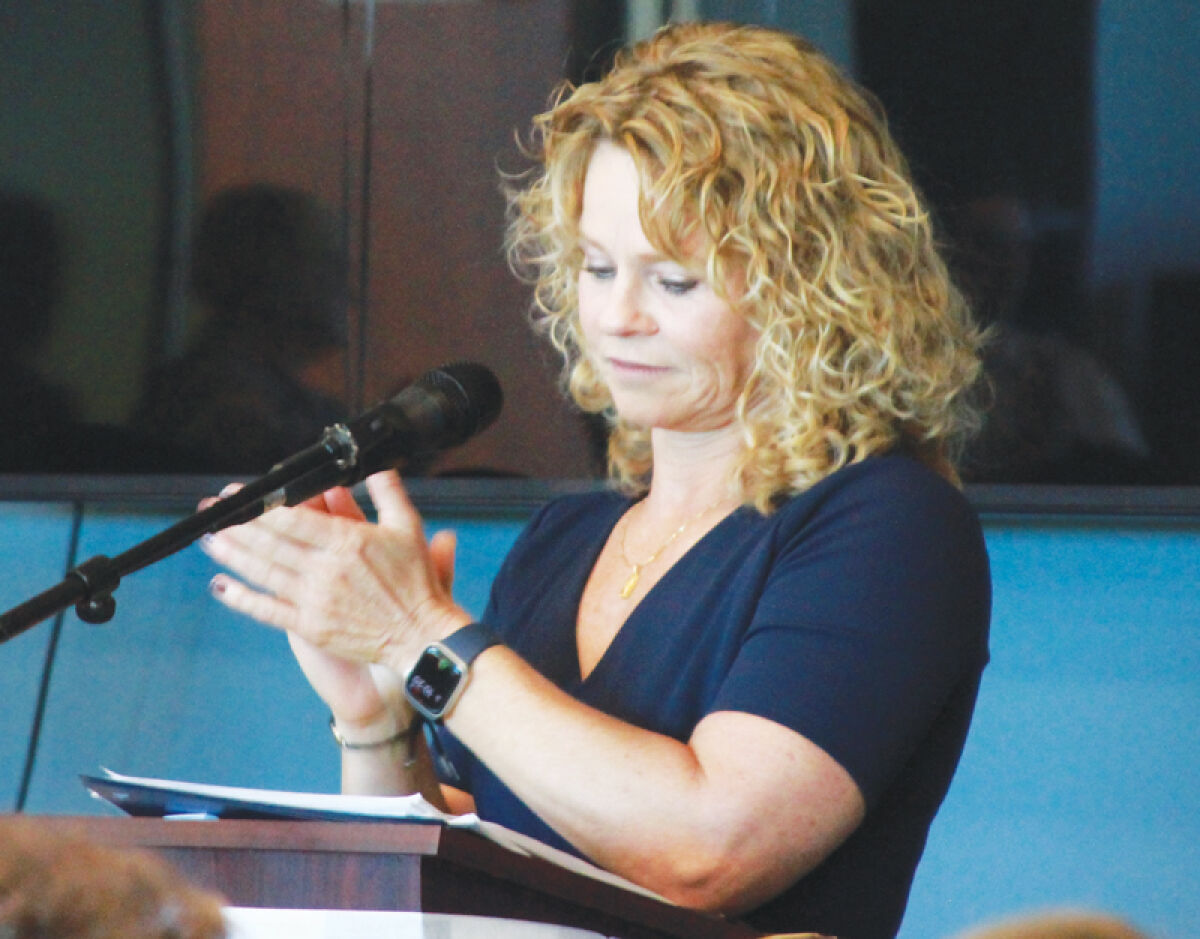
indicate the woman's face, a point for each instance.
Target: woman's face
{"x":671,"y":351}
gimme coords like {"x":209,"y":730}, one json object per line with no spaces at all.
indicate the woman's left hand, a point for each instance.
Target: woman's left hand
{"x":363,"y":592}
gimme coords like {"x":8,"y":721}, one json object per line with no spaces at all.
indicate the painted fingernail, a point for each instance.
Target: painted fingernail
{"x":216,"y":587}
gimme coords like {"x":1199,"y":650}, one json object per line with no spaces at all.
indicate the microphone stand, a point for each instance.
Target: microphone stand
{"x":90,"y":586}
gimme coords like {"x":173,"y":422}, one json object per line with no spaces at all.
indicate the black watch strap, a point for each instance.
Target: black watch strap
{"x":470,"y":640}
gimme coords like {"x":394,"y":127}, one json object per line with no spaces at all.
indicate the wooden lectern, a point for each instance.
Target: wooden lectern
{"x":405,"y":866}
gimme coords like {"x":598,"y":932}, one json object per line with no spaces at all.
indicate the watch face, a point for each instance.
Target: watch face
{"x":432,"y":682}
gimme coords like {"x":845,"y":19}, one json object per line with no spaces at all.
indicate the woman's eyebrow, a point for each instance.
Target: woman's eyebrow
{"x":650,"y":256}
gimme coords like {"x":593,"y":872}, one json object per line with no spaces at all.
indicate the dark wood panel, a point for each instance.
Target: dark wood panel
{"x":395,"y":866}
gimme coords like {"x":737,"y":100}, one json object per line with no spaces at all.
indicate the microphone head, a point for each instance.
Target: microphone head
{"x":471,"y":399}
{"x":443,"y":408}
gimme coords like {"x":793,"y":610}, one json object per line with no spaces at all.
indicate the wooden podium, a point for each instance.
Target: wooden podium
{"x":404,"y":866}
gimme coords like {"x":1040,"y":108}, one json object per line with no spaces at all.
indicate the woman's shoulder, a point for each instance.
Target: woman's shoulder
{"x":893,"y":472}
{"x":576,"y":516}
{"x":592,"y":503}
{"x":890,"y":527}
{"x":891,"y":490}
{"x":563,"y":533}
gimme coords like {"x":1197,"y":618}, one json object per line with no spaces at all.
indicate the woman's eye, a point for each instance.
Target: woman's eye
{"x":678,"y":285}
{"x":599,"y":271}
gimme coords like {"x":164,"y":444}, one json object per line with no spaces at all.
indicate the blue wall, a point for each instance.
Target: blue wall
{"x":35,"y":547}
{"x":1080,"y":783}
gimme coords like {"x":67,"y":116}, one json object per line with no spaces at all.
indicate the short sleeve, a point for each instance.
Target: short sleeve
{"x":874,"y":613}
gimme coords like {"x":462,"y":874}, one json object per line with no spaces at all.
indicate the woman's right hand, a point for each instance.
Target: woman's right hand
{"x":367,"y":700}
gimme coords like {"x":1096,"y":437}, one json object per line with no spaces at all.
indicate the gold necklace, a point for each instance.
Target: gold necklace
{"x":635,"y":567}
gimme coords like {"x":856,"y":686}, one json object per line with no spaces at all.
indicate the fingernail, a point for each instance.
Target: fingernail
{"x":216,"y":587}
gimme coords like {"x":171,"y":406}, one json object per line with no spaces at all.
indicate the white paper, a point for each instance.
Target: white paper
{"x":413,"y":807}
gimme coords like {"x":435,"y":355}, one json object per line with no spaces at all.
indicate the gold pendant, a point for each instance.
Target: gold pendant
{"x":631,"y":584}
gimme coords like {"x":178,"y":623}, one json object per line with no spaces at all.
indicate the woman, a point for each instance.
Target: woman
{"x":743,"y":679}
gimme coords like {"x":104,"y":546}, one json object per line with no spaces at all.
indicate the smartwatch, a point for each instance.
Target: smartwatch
{"x":438,"y":678}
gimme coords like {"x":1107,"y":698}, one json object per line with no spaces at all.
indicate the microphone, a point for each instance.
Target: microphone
{"x":443,"y":408}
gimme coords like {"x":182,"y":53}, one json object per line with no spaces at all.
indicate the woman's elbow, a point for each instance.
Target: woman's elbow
{"x":699,"y":882}
{"x":721,"y":880}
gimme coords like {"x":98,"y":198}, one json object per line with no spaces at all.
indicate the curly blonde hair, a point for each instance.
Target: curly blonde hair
{"x":749,"y":142}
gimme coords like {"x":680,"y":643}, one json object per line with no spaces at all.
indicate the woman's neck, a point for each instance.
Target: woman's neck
{"x":692,"y":469}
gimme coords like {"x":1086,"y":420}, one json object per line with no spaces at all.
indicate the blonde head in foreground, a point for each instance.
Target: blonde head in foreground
{"x":773,"y":176}
{"x":60,"y":884}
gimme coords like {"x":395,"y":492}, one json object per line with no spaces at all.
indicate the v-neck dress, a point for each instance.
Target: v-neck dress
{"x":855,"y":614}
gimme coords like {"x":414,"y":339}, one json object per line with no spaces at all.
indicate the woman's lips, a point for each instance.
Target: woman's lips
{"x":635,"y":369}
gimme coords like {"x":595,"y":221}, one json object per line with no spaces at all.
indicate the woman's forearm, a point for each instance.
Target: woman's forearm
{"x":716,"y":823}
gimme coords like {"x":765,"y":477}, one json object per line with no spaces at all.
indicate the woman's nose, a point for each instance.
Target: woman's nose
{"x":625,"y":312}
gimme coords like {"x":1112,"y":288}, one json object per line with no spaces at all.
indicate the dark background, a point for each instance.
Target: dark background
{"x":1055,"y":140}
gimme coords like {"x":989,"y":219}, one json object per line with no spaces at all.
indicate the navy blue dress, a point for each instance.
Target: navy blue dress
{"x":856,"y":614}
